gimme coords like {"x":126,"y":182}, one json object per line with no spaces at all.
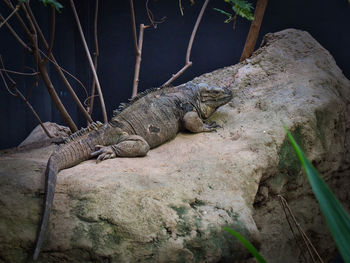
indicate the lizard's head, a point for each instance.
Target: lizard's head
{"x":211,"y":98}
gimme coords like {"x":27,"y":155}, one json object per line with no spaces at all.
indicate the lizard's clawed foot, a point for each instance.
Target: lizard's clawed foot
{"x":211,"y":126}
{"x":103,"y":153}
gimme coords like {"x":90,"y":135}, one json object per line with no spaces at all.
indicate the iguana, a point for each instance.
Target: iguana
{"x":148,"y":120}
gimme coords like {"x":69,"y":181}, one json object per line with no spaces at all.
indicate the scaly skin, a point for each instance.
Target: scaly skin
{"x":151,"y":119}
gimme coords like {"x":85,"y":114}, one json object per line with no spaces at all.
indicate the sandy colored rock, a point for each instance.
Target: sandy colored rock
{"x":171,"y":205}
{"x":38,"y":138}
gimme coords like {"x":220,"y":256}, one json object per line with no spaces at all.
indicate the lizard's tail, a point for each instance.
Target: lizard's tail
{"x":50,"y":184}
{"x":77,"y":149}
{"x":66,"y":156}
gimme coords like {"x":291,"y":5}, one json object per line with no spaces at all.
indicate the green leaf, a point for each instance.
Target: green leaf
{"x":242,"y":8}
{"x":53,"y":3}
{"x":229,"y":16}
{"x":247,"y":244}
{"x":337,"y":219}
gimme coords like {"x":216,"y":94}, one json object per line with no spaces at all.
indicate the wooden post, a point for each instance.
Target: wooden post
{"x":254,"y":29}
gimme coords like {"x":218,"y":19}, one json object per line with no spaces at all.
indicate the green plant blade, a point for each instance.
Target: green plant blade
{"x":53,"y":3}
{"x":247,"y":244}
{"x":337,"y":219}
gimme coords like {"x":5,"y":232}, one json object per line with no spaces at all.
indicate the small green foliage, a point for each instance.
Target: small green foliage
{"x":52,"y":3}
{"x":247,"y":244}
{"x":229,"y":15}
{"x":241,"y":8}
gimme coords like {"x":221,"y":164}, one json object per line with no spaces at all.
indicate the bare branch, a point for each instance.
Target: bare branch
{"x":181,"y":9}
{"x":38,"y":30}
{"x":19,"y":73}
{"x":96,"y":53}
{"x":5,"y":83}
{"x":15,"y":35}
{"x":188,"y":63}
{"x":138,"y":61}
{"x":10,"y":15}
{"x":50,"y":88}
{"x":178,"y":74}
{"x":133,"y":26}
{"x":151,"y":17}
{"x":95,"y":28}
{"x":190,"y":43}
{"x":254,"y":29}
{"x":52,"y":33}
{"x":310,"y":247}
{"x":19,"y":94}
{"x":28,"y":17}
{"x":54,"y":62}
{"x":60,"y":70}
{"x":19,"y":18}
{"x":90,"y":62}
{"x":32,"y":35}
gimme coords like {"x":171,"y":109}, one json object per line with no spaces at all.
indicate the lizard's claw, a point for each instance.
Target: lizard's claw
{"x":211,"y":126}
{"x":103,"y":153}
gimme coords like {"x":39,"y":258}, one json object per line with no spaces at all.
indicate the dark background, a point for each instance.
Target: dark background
{"x":216,"y":45}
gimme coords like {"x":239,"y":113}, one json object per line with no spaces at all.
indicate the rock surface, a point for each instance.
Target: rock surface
{"x":171,"y":205}
{"x":38,"y":138}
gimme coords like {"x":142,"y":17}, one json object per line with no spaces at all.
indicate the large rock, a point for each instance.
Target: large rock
{"x":171,"y":205}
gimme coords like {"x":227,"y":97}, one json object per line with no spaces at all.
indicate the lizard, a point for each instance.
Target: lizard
{"x":150,"y":119}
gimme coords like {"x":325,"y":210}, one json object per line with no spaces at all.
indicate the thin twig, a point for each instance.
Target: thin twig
{"x":181,"y":9}
{"x":303,"y":234}
{"x":54,"y":62}
{"x":88,"y":98}
{"x":52,"y":33}
{"x":188,"y":63}
{"x":190,"y":43}
{"x":33,"y":36}
{"x":306,"y":240}
{"x":5,"y":83}
{"x":30,"y":20}
{"x":133,"y":27}
{"x":34,"y":84}
{"x":19,"y":18}
{"x":138,"y":61}
{"x":137,"y":47}
{"x":96,"y":54}
{"x":10,"y":15}
{"x":19,"y":73}
{"x":34,"y":113}
{"x":151,"y":17}
{"x":291,"y":228}
{"x":99,"y":91}
{"x":15,"y":35}
{"x":19,"y":94}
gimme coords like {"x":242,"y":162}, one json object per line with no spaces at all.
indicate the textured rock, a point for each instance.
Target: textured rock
{"x":39,"y":138}
{"x":171,"y":205}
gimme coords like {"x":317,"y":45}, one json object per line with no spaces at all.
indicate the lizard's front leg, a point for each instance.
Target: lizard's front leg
{"x":129,"y":146}
{"x":194,"y":123}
